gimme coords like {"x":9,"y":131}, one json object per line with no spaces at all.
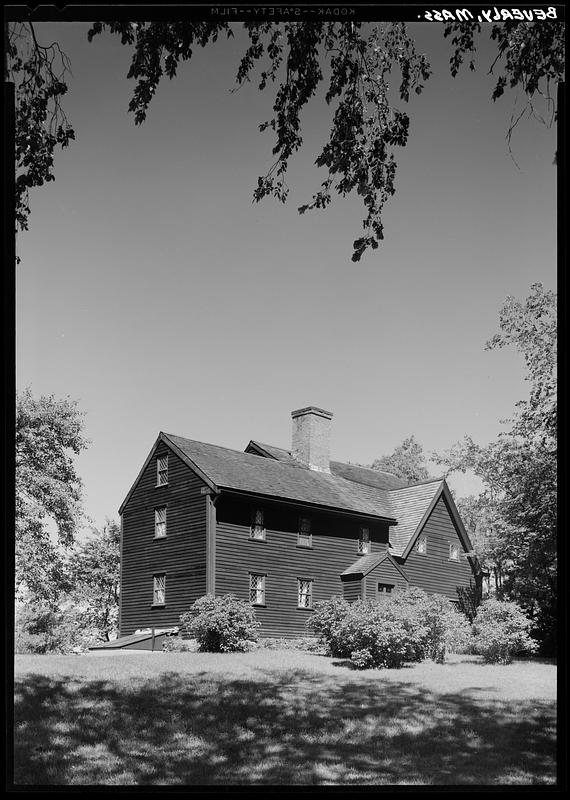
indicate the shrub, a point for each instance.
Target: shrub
{"x":501,"y":630}
{"x":41,"y":629}
{"x":303,"y":643}
{"x":326,"y":621}
{"x":221,"y":624}
{"x":176,"y":644}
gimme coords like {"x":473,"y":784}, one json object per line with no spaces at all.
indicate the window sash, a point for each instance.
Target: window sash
{"x":159,"y":590}
{"x":162,"y":470}
{"x":257,"y":529}
{"x":385,"y":588}
{"x":454,"y":552}
{"x":364,"y":541}
{"x":160,"y":522}
{"x":305,"y":539}
{"x":305,"y":593}
{"x":422,"y":545}
{"x":257,"y":589}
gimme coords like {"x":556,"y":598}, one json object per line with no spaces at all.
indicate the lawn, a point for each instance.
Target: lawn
{"x":280,"y":717}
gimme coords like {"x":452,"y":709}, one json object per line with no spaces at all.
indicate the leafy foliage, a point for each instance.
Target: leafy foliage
{"x":360,"y":58}
{"x":221,"y":624}
{"x":408,"y":626}
{"x":501,"y":631}
{"x":515,"y":518}
{"x":94,"y":569}
{"x":42,"y":629}
{"x":49,"y":432}
{"x":175,"y":644}
{"x":39,"y":75}
{"x":531,"y":58}
{"x":407,"y":462}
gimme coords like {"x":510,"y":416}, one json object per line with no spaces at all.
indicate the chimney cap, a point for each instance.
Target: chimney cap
{"x":312,"y":410}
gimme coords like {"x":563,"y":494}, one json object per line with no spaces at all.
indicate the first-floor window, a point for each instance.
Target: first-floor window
{"x":385,"y":589}
{"x":257,"y":589}
{"x":159,"y":590}
{"x":454,"y":552}
{"x":305,"y":593}
{"x":257,"y":524}
{"x":364,"y":541}
{"x":160,"y":522}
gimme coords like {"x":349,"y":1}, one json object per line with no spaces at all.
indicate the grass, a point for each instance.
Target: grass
{"x":280,"y":717}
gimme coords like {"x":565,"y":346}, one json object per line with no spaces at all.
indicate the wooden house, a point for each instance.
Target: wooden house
{"x":281,"y":529}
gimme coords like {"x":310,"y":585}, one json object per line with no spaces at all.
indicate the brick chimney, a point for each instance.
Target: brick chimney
{"x":311,"y":437}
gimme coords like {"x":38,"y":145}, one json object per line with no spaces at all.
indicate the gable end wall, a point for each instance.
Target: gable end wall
{"x":434,"y":572}
{"x":181,"y":555}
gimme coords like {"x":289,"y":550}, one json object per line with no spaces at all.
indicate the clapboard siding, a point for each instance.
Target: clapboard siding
{"x":352,"y":589}
{"x":334,"y":540}
{"x":385,"y":572}
{"x":434,"y":572}
{"x":181,"y":555}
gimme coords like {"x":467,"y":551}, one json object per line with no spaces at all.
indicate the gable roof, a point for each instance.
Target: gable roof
{"x":352,"y":472}
{"x":367,"y":563}
{"x":266,"y":470}
{"x":245,"y":472}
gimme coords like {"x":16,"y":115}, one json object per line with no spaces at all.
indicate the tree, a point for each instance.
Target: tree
{"x":95,"y":574}
{"x":517,"y":509}
{"x":358,"y":58}
{"x":49,"y":432}
{"x":407,"y":462}
{"x":39,"y":74}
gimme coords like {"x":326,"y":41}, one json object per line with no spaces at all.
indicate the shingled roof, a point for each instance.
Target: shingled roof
{"x":246,"y":472}
{"x":271,"y":471}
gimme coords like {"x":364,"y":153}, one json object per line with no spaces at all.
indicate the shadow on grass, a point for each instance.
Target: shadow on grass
{"x":299,"y":728}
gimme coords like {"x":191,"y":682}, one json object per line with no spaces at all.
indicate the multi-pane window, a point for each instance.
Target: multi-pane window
{"x":257,"y":589}
{"x":454,"y":552}
{"x":160,"y":522}
{"x":385,"y":588}
{"x":421,"y":546}
{"x":304,"y":536}
{"x":364,"y":541}
{"x":257,"y":524}
{"x":162,"y":470}
{"x":305,"y":593}
{"x":159,"y":590}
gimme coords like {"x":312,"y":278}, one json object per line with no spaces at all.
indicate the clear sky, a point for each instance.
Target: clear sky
{"x":156,"y":294}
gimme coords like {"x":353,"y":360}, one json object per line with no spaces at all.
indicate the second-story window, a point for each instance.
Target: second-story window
{"x":364,"y":541}
{"x":257,"y":530}
{"x":160,"y":522}
{"x":162,"y":470}
{"x":421,"y":546}
{"x":304,"y":536}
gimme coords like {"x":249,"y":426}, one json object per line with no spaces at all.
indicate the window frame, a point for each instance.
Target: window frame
{"x":156,"y":588}
{"x":161,"y":471}
{"x":255,"y":524}
{"x":421,"y":539}
{"x":388,"y":589}
{"x":304,"y":531}
{"x":309,"y":594}
{"x":454,"y":546}
{"x":161,"y":522}
{"x":362,"y":540}
{"x":263,"y":576}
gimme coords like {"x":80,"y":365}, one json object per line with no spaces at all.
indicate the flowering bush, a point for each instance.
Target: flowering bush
{"x":501,"y":630}
{"x":221,"y":624}
{"x":176,"y":644}
{"x":408,"y":626}
{"x":326,"y":621}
